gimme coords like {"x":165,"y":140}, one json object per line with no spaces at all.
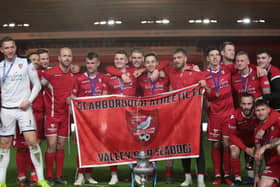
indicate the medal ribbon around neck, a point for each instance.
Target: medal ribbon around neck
{"x":121,"y":83}
{"x":269,"y":67}
{"x":150,"y":85}
{"x":5,"y":75}
{"x":244,"y":87}
{"x":217,"y":84}
{"x":92,"y":88}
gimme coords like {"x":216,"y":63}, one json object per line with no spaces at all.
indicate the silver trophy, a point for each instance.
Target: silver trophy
{"x":143,"y":168}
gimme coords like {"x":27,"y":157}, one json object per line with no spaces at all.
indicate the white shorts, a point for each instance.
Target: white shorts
{"x":9,"y":117}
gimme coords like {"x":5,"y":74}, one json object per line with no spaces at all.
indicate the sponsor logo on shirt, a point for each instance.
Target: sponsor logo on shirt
{"x":266,"y":83}
{"x":231,"y":127}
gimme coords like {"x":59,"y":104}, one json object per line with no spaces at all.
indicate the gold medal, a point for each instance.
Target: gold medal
{"x":217,"y":94}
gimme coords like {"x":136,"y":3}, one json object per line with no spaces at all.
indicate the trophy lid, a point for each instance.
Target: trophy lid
{"x":141,"y":156}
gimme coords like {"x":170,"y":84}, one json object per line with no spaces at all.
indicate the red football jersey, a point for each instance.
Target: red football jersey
{"x":82,"y":86}
{"x":152,"y":88}
{"x":271,"y":156}
{"x":242,"y":129}
{"x":59,"y":88}
{"x":179,"y":79}
{"x":117,"y":86}
{"x":249,"y":83}
{"x":221,"y":102}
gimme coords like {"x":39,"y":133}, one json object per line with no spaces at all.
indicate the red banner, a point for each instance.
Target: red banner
{"x":112,"y":129}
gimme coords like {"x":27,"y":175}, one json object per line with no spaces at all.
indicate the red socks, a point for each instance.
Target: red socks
{"x":113,"y":169}
{"x":88,"y":170}
{"x":49,"y":159}
{"x":23,"y":162}
{"x":168,"y":172}
{"x":235,"y":166}
{"x":216,"y":160}
{"x":226,"y":162}
{"x":59,"y":159}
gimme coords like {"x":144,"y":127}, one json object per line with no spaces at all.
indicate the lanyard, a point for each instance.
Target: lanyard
{"x":269,"y":67}
{"x":267,"y":140}
{"x":121,"y":85}
{"x":5,"y":75}
{"x":90,"y":82}
{"x":217,"y":84}
{"x":247,"y":80}
{"x":150,"y":85}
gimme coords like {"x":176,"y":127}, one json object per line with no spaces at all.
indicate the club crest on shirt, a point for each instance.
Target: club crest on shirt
{"x":253,"y":78}
{"x":20,"y":66}
{"x":223,"y":72}
{"x":143,"y":125}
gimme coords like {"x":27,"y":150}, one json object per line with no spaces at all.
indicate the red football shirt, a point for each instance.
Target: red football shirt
{"x":179,"y":79}
{"x":152,"y":88}
{"x":249,"y":83}
{"x":242,"y":129}
{"x":271,"y":156}
{"x":221,"y":104}
{"x":59,"y":88}
{"x":117,"y":86}
{"x":82,"y":86}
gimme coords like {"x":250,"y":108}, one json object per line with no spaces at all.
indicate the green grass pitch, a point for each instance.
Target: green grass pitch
{"x":103,"y":174}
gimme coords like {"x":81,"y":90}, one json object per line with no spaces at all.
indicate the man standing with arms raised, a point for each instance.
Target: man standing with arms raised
{"x":59,"y":82}
{"x":17,"y":97}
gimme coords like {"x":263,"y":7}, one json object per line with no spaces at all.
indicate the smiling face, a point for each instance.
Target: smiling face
{"x":34,"y":58}
{"x":44,"y":60}
{"x":263,"y":60}
{"x":137,"y":59}
{"x":150,"y":63}
{"x":120,"y":61}
{"x":65,"y":57}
